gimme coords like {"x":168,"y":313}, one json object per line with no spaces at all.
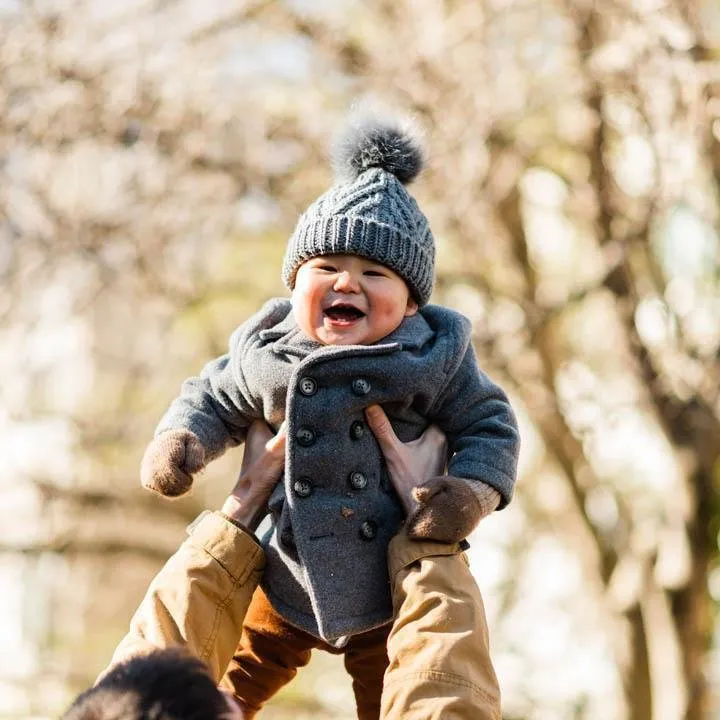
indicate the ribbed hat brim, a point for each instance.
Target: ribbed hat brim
{"x":345,"y":234}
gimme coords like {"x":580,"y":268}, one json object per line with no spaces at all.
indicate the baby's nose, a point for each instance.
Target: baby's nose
{"x":347,"y":282}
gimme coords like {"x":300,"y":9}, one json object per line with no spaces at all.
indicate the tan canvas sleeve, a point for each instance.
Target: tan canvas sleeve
{"x":200,"y":597}
{"x":440,"y":665}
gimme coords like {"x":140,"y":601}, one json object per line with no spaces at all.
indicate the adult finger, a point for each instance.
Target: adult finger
{"x":382,"y":429}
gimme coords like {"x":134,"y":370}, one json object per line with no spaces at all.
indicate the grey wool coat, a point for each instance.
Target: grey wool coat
{"x":335,"y":513}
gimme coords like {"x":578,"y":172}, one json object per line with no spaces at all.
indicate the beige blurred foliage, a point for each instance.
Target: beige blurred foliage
{"x":154,"y":158}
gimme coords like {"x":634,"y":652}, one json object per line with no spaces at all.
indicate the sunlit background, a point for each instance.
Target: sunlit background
{"x":154,"y":155}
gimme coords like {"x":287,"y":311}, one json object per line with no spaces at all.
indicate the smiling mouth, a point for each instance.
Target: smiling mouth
{"x":343,"y":314}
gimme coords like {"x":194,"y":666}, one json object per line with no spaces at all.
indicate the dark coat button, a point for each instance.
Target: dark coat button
{"x":305,"y":437}
{"x":307,"y":386}
{"x":368,"y":530}
{"x":287,"y":538}
{"x":357,"y":430}
{"x":358,"y":480}
{"x":360,"y":386}
{"x":303,"y":487}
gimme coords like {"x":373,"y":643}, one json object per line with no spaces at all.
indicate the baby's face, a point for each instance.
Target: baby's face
{"x":349,"y":300}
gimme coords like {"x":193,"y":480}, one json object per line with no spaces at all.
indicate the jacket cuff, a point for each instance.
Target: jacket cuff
{"x":404,"y":551}
{"x":232,"y":546}
{"x":487,"y":496}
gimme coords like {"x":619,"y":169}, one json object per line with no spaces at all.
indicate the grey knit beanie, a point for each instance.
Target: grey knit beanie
{"x":368,"y":211}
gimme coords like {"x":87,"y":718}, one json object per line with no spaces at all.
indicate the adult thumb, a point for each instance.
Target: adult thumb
{"x":381,"y":427}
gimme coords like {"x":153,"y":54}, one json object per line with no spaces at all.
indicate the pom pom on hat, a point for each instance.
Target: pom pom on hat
{"x":371,"y":140}
{"x":369,"y":212}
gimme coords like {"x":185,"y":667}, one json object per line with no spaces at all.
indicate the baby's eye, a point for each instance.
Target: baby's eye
{"x":326,"y":268}
{"x":374,"y":273}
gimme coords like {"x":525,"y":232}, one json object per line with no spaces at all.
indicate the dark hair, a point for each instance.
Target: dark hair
{"x":163,"y":685}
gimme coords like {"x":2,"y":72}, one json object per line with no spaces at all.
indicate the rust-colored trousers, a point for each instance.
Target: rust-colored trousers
{"x":271,"y":650}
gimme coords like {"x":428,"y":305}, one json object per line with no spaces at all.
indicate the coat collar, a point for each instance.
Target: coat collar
{"x":286,"y":337}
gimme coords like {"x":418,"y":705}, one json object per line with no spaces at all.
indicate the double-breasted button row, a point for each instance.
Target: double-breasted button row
{"x":306,"y":437}
{"x":303,"y":486}
{"x":308,"y":386}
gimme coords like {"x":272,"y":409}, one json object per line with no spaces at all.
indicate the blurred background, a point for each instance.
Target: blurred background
{"x":154,"y":156}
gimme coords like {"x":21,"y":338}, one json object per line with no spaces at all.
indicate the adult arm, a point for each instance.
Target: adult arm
{"x":200,"y":597}
{"x":438,"y":647}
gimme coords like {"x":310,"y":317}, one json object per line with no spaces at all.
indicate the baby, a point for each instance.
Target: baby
{"x":356,"y":332}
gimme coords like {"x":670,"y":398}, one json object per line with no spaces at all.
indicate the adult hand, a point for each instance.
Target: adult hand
{"x":411,"y":463}
{"x":262,"y":465}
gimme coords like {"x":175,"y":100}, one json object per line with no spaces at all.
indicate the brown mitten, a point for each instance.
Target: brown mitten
{"x":170,"y":461}
{"x":450,"y":508}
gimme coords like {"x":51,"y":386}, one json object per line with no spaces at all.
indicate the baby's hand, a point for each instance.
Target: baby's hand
{"x":170,"y":461}
{"x":449,"y":508}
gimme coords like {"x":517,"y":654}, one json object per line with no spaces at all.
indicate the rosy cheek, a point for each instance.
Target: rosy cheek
{"x":387,"y":308}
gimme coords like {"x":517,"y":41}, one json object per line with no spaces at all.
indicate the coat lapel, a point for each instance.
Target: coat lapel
{"x":288,"y":339}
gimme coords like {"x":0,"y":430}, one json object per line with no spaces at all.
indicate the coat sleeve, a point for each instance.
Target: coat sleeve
{"x":217,"y":406}
{"x":480,"y":425}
